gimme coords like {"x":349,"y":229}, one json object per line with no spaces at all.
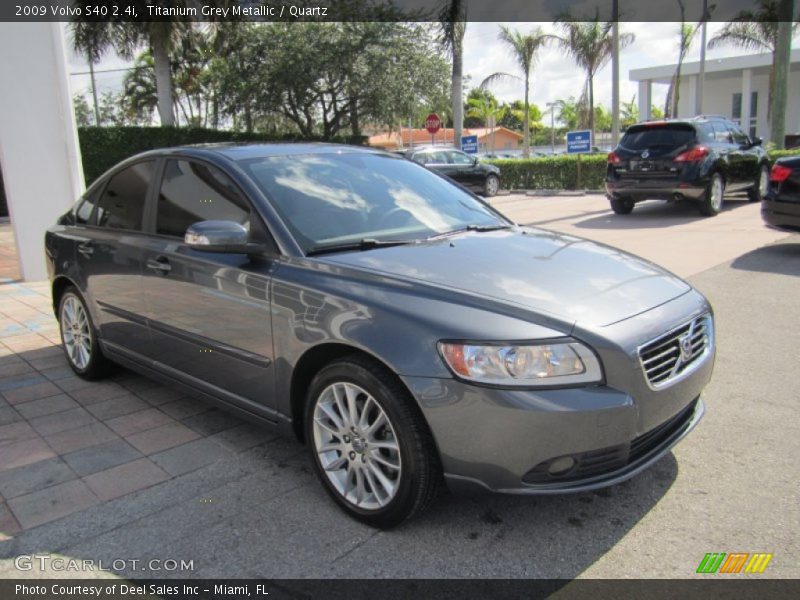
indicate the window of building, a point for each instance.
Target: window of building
{"x":122,"y":204}
{"x":192,"y":192}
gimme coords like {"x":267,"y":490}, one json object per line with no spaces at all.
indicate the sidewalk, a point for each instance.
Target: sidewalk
{"x":67,"y":444}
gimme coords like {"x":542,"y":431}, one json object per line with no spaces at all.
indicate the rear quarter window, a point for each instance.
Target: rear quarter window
{"x":649,"y":136}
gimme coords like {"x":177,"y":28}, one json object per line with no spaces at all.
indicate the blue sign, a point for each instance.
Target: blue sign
{"x":469,"y":144}
{"x":579,"y":141}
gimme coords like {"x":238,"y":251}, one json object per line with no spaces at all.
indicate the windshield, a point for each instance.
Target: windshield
{"x":340,"y":198}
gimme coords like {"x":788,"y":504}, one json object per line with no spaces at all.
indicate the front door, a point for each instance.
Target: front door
{"x":209,"y":313}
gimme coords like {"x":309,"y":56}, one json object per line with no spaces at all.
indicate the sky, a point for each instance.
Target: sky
{"x":554,"y":77}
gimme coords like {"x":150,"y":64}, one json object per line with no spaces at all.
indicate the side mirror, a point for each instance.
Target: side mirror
{"x":756,"y":141}
{"x":220,"y":236}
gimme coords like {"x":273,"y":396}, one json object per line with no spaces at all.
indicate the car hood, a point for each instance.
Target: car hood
{"x":570,"y":278}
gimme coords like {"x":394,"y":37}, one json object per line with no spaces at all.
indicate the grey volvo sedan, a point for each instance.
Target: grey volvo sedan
{"x":405,"y":330}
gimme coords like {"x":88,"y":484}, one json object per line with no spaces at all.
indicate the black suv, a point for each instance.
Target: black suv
{"x":459,"y":166}
{"x":698,"y":159}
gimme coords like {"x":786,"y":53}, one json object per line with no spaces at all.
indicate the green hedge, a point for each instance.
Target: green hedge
{"x":103,"y":147}
{"x":561,"y":172}
{"x":553,"y":172}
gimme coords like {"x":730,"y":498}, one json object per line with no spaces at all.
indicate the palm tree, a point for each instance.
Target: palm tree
{"x":487,"y":110}
{"x":92,"y":40}
{"x":590,"y":43}
{"x":754,"y":31}
{"x":126,"y":38}
{"x":525,"y":48}
{"x":687,"y":32}
{"x":453,"y":26}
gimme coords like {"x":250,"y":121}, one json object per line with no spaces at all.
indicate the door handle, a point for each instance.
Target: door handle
{"x":160,"y":264}
{"x":85,"y":249}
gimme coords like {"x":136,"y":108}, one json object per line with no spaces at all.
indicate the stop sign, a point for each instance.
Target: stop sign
{"x":433,"y":123}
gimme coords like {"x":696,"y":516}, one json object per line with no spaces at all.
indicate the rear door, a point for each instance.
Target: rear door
{"x":109,"y":255}
{"x":747,"y":158}
{"x":209,"y":313}
{"x":729,"y":153}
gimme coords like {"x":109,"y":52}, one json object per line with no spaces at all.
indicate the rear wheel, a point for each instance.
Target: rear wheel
{"x":79,"y":338}
{"x":622,"y":205}
{"x":759,"y":189}
{"x":371,"y":448}
{"x":491,"y":186}
{"x":711,"y":203}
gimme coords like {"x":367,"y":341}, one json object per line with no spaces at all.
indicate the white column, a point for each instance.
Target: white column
{"x":686,"y":104}
{"x":645,"y":102}
{"x":39,"y":151}
{"x":747,"y":86}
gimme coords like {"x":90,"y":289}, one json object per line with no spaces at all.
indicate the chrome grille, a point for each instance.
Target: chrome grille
{"x":677,"y":352}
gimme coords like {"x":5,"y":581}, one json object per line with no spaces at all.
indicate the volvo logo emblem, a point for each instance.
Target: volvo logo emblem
{"x":685,"y":343}
{"x":645,"y":154}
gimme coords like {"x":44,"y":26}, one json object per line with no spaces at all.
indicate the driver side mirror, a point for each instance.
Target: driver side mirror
{"x":226,"y":237}
{"x":756,"y":141}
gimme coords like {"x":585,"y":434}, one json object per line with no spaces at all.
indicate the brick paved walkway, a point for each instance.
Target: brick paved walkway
{"x":67,"y":444}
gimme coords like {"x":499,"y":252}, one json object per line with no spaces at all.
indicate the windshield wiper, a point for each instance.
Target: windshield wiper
{"x":362,"y":244}
{"x":478,"y":228}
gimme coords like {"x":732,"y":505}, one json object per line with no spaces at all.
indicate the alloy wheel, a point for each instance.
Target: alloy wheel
{"x":716,"y":193}
{"x":356,"y":445}
{"x":763,"y":182}
{"x":75,"y":332}
{"x":492,"y":185}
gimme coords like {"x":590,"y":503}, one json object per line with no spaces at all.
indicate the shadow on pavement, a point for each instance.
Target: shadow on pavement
{"x":655,"y":214}
{"x":782,"y":258}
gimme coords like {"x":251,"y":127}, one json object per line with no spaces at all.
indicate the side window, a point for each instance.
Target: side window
{"x":192,"y":192}
{"x":437,"y":158}
{"x":738,"y":137}
{"x":705,"y":133}
{"x":122,"y":203}
{"x":421,"y":158}
{"x":459,"y":158}
{"x":85,"y":206}
{"x":721,"y":133}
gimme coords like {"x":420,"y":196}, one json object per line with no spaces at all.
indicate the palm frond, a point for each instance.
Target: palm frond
{"x":496,"y":78}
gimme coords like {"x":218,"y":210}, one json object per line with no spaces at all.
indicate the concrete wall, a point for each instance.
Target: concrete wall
{"x":718,"y":98}
{"x":39,"y":152}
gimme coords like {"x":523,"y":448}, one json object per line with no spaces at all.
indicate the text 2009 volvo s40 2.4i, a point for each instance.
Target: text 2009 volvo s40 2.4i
{"x":402,"y":328}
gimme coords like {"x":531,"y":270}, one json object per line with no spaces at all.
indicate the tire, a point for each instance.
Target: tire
{"x":491,"y":185}
{"x":712,"y":200}
{"x":760,"y":186}
{"x":380,"y":486}
{"x":622,"y":205}
{"x":79,"y":337}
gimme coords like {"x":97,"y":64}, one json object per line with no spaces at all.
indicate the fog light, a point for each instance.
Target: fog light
{"x":561,"y":466}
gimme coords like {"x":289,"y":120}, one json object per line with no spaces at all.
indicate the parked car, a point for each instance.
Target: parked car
{"x":781,"y":205}
{"x":459,"y":166}
{"x":404,"y":329}
{"x":699,"y":159}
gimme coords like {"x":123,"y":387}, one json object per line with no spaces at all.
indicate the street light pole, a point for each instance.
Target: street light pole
{"x":698,"y":97}
{"x":552,"y":107}
{"x":615,"y":74}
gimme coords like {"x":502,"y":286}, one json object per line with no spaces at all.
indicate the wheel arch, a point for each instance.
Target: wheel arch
{"x":60,"y":284}
{"x":311,"y":362}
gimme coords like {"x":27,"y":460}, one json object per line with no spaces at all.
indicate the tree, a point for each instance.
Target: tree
{"x":656,"y":112}
{"x":481,"y":95}
{"x":590,"y":43}
{"x":82,"y":111}
{"x":525,"y":49}
{"x":92,"y":40}
{"x":755,"y":31}
{"x":602,"y":118}
{"x":686,"y":34}
{"x":630,"y":113}
{"x":488,"y":111}
{"x":453,"y":25}
{"x":569,"y":113}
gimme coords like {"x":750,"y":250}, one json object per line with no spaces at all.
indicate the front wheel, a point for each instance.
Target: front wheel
{"x":711,"y":203}
{"x":371,"y":448}
{"x":491,"y":186}
{"x":79,"y":338}
{"x":759,"y":189}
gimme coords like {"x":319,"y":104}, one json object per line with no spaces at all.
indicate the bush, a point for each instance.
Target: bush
{"x":776,"y":154}
{"x":553,"y":172}
{"x":103,"y":147}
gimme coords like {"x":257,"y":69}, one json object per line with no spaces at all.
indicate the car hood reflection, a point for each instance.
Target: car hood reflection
{"x":569,"y":277}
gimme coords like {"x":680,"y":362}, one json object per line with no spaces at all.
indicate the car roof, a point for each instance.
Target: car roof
{"x":683,"y":120}
{"x":239,"y":151}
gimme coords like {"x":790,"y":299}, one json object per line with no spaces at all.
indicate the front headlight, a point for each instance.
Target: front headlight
{"x":529,"y":365}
